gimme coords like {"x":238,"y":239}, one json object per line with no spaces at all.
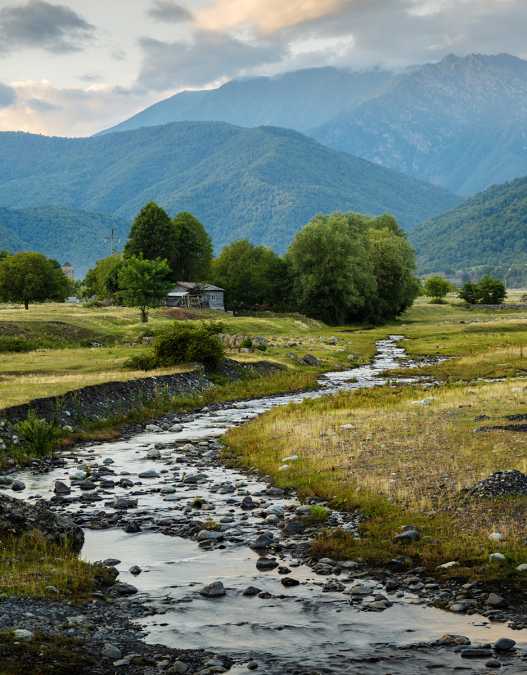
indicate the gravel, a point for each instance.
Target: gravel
{"x":500,"y":484}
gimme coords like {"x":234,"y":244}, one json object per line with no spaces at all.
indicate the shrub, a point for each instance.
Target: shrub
{"x":247,"y":343}
{"x":491,"y":291}
{"x":37,"y":435}
{"x":469,"y":293}
{"x":141,"y":362}
{"x":437,"y":288}
{"x":14,"y":343}
{"x":185,"y":342}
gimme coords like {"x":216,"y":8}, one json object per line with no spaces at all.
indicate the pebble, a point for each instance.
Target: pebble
{"x":214,"y":590}
{"x":504,"y":645}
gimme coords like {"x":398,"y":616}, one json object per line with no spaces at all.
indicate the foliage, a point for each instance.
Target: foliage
{"x":192,"y":257}
{"x":488,"y":291}
{"x":437,"y":288}
{"x":258,"y":184}
{"x":251,"y":276}
{"x":152,"y":235}
{"x":189,"y":343}
{"x":31,"y":277}
{"x":144,"y":283}
{"x":38,"y":436}
{"x":102,"y":281}
{"x":16,"y":344}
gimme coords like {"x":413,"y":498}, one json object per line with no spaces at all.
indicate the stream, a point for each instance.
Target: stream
{"x":327,"y":623}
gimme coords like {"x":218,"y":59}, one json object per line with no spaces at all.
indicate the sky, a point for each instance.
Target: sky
{"x":74,"y":67}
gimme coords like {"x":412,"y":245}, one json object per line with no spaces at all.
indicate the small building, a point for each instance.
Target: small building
{"x":196,"y":296}
{"x":68,"y":270}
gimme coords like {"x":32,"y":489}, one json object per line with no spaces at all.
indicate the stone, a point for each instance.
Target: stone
{"x":262,"y":541}
{"x":448,"y":565}
{"x":135,"y":570}
{"x":409,"y":535}
{"x":522,"y":568}
{"x":61,"y":488}
{"x":504,"y":645}
{"x":266,"y":564}
{"x":153,"y":454}
{"x":178,"y":668}
{"x":497,"y":557}
{"x":449,"y":640}
{"x":22,"y":634}
{"x":111,"y":651}
{"x":496,"y":536}
{"x":214,"y":590}
{"x":18,"y":486}
{"x":124,"y":503}
{"x":476,"y":653}
{"x":123,"y":589}
{"x":495,"y":600}
{"x":111,"y":562}
{"x":153,"y":428}
{"x":78,"y":475}
{"x":251,"y":591}
{"x":150,"y":473}
{"x":289,"y":582}
{"x":247,"y":503}
{"x":311,"y":360}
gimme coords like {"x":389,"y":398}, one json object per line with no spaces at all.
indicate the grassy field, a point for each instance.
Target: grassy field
{"x":405,"y":455}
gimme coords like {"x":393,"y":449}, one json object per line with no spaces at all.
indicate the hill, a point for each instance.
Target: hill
{"x":459,"y":123}
{"x":486,"y":234}
{"x":298,"y":100}
{"x":261,"y":183}
{"x":61,"y":233}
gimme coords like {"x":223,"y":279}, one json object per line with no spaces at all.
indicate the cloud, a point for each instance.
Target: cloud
{"x":265,"y":16}
{"x":168,"y":11}
{"x":209,"y":56}
{"x":55,"y":28}
{"x":7,"y":95}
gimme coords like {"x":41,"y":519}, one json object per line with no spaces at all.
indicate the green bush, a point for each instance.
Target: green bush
{"x":37,"y":435}
{"x":247,"y":343}
{"x":186,"y":342}
{"x":141,"y":362}
{"x":14,"y":343}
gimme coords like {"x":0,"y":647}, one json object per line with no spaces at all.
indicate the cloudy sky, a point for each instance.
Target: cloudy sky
{"x":72,"y":67}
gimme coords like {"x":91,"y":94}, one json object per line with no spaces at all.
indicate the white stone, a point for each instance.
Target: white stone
{"x":448,"y":565}
{"x":496,"y":536}
{"x":497,"y":557}
{"x":521,"y":568}
{"x":21,"y":634}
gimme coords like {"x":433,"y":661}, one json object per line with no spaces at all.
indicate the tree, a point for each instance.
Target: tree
{"x":470,"y":293}
{"x":491,"y":291}
{"x":192,"y":255}
{"x":144,"y":283}
{"x":333,"y":274}
{"x":31,"y":277}
{"x":394,"y":267}
{"x":152,"y":235}
{"x":437,"y":288}
{"x":251,"y":276}
{"x":102,"y":281}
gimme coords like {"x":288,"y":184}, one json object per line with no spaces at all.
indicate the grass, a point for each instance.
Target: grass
{"x":31,"y":567}
{"x":405,"y":460}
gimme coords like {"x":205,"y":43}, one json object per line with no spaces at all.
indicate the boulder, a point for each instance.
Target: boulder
{"x":18,"y":517}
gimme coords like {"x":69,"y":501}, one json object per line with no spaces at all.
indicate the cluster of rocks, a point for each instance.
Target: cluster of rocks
{"x":500,"y":484}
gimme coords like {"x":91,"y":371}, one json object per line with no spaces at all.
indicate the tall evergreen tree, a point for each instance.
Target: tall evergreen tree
{"x":152,"y":235}
{"x":193,"y":249}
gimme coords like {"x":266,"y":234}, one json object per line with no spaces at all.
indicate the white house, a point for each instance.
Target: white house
{"x":196,"y":295}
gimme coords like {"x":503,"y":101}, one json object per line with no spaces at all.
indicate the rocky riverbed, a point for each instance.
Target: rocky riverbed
{"x":215,"y":559}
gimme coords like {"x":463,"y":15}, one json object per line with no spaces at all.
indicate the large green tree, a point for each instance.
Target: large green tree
{"x":152,"y":235}
{"x":102,"y":281}
{"x":144,"y":283}
{"x":333,"y":275}
{"x":192,"y":256}
{"x":251,"y":276}
{"x":31,"y":277}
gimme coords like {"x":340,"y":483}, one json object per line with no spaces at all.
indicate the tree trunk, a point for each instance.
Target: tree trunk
{"x":26,"y":304}
{"x":144,"y":315}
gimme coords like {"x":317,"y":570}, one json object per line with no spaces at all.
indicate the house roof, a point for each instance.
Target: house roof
{"x":192,"y":286}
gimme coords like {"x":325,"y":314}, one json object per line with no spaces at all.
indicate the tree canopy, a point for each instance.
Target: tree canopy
{"x":31,"y":277}
{"x":437,"y":288}
{"x":102,"y":281}
{"x":192,"y":255}
{"x":144,"y":283}
{"x":152,"y":235}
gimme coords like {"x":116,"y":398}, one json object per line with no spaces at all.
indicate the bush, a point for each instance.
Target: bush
{"x":141,"y":362}
{"x":13,"y":343}
{"x":185,"y":342}
{"x":437,"y":288}
{"x":247,"y":343}
{"x":37,"y":435}
{"x":488,"y":291}
{"x":470,"y":293}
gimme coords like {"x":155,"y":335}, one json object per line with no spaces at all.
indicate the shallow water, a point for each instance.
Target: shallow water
{"x":300,"y":626}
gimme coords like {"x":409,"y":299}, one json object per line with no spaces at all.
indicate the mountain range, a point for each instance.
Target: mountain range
{"x":262,"y":184}
{"x":459,"y":123}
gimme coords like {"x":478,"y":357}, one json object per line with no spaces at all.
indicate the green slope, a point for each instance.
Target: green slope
{"x":261,"y":183}
{"x":61,"y":233}
{"x":487,"y":233}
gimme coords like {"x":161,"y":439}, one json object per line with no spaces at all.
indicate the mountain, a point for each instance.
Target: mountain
{"x":298,"y":100}
{"x":262,"y":184}
{"x":64,"y":234}
{"x":485,"y":234}
{"x":459,"y":123}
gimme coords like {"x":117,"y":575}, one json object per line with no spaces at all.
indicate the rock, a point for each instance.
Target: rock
{"x":132,"y":527}
{"x":135,"y":570}
{"x":251,"y":591}
{"x":496,"y":536}
{"x":18,"y":517}
{"x":247,"y":503}
{"x":266,"y":564}
{"x":78,"y":475}
{"x":522,"y":568}
{"x":311,"y":360}
{"x":504,"y":645}
{"x":493,"y":663}
{"x":153,"y":454}
{"x":111,"y":562}
{"x":448,"y":565}
{"x":476,"y":653}
{"x":123,"y":589}
{"x":262,"y":542}
{"x":449,"y":640}
{"x":22,"y":634}
{"x":495,"y":600}
{"x":497,"y":558}
{"x":153,"y":428}
{"x":150,"y":473}
{"x":289,"y":582}
{"x":294,"y":526}
{"x":178,"y":668}
{"x":111,"y":651}
{"x":61,"y":488}
{"x":124,"y":503}
{"x":87,"y":485}
{"x":18,"y":486}
{"x":214,"y":590}
{"x":409,"y":535}
{"x":252,"y":665}
{"x":501,"y":484}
